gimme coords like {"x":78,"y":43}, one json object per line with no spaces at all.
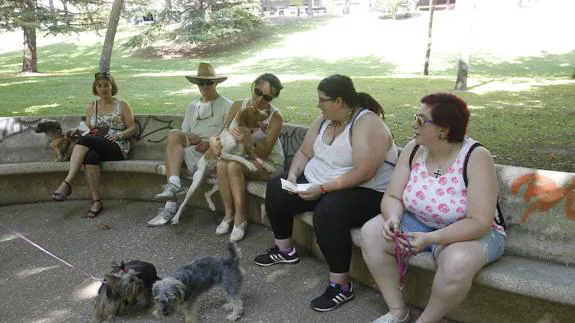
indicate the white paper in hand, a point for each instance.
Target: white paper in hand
{"x":294,"y":188}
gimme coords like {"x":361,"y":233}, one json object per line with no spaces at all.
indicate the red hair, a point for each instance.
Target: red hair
{"x":449,"y":111}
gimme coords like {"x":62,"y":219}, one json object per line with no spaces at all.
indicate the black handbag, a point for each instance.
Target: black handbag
{"x":98,"y":131}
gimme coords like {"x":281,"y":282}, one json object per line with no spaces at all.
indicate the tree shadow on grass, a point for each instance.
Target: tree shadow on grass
{"x":545,"y":65}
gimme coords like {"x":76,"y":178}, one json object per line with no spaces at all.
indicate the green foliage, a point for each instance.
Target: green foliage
{"x":394,"y":8}
{"x":201,"y":23}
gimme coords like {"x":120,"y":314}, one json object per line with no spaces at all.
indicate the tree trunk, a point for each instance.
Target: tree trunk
{"x":110,"y":35}
{"x":66,"y":12}
{"x":53,"y":13}
{"x":29,"y":64}
{"x":467,"y":10}
{"x":429,"y":37}
{"x":310,"y":8}
{"x":573,"y":76}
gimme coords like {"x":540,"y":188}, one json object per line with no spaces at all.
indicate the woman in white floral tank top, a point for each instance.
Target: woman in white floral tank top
{"x":112,"y":123}
{"x":431,"y":206}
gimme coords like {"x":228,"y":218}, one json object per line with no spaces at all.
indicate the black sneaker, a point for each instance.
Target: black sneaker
{"x":275,"y":256}
{"x":332,"y":298}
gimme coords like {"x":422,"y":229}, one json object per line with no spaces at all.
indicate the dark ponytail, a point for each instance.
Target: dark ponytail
{"x":367,"y":101}
{"x":341,"y":86}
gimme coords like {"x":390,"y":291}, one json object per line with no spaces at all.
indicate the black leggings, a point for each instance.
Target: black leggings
{"x":101,"y":150}
{"x":334,"y":215}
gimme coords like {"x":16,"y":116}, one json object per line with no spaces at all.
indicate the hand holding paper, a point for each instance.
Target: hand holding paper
{"x":294,"y":188}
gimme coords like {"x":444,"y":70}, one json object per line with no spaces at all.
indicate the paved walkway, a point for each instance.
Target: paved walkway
{"x":38,"y":288}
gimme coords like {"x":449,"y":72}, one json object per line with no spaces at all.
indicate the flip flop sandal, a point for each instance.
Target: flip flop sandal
{"x":91,"y":213}
{"x":59,"y":197}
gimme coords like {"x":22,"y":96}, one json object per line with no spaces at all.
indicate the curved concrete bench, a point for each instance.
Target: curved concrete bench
{"x":533,"y":281}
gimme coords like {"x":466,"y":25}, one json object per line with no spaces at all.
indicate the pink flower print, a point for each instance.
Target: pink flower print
{"x":460,"y":210}
{"x":460,"y":171}
{"x":429,"y":208}
{"x":452,"y":202}
{"x":430,"y":180}
{"x":433,"y":200}
{"x":451,"y":170}
{"x":442,"y":180}
{"x":436,"y":216}
{"x":463,"y":201}
{"x":439,"y":222}
{"x":416,"y":167}
{"x":457,"y":161}
{"x":443,"y":208}
{"x":440,"y":192}
{"x":414,"y":202}
{"x":423,"y":174}
{"x":424,"y":187}
{"x":451,"y":190}
{"x":408,"y":188}
{"x":414,"y":179}
{"x":464,"y":192}
{"x":454,"y":180}
{"x":420,"y":195}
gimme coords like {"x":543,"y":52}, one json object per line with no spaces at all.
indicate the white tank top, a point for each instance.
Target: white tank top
{"x":331,"y":161}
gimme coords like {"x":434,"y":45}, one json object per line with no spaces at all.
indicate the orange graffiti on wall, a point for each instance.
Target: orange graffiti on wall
{"x":542,"y":194}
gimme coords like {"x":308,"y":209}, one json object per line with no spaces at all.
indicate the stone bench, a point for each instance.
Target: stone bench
{"x":534,"y":279}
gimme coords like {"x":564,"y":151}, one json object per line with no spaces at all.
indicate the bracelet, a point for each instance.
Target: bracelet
{"x":322,"y":190}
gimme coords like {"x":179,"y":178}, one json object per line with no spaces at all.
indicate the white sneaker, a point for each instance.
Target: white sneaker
{"x":162,"y":218}
{"x":169,"y":192}
{"x":388,"y":318}
{"x":224,"y":226}
{"x":238,"y":233}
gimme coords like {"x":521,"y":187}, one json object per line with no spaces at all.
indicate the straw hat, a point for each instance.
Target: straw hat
{"x":206,"y":72}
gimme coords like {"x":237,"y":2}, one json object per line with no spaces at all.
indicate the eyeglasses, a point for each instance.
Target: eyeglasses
{"x":421,"y":120}
{"x":204,"y":118}
{"x":206,"y":82}
{"x":320,"y":100}
{"x":101,"y":74}
{"x":259,"y":93}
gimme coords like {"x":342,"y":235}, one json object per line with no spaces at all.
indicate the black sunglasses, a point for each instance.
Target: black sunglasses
{"x":206,"y":82}
{"x":258,"y":93}
{"x":101,"y":74}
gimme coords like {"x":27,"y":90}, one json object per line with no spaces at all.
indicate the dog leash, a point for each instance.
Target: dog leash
{"x":402,"y":255}
{"x":21,"y":236}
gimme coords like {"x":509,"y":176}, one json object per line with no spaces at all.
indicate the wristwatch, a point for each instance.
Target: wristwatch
{"x":322,"y":190}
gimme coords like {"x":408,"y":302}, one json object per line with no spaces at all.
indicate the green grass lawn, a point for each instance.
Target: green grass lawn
{"x":523,"y":111}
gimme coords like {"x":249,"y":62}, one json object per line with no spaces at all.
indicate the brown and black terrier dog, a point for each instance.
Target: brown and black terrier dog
{"x":62,"y":143}
{"x":128,"y":284}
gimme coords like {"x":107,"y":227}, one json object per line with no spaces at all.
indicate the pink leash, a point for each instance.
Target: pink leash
{"x":402,"y":255}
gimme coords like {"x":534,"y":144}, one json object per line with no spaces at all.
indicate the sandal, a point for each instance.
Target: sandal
{"x":59,"y":197}
{"x":91,"y":213}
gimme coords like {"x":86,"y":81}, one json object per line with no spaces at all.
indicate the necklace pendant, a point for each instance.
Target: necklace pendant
{"x":438,"y":172}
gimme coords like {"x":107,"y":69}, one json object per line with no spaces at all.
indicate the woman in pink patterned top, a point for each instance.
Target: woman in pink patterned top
{"x":429,"y":201}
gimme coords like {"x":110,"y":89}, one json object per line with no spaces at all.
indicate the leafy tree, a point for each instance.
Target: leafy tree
{"x":297,"y":4}
{"x":200,"y":21}
{"x":394,"y":8}
{"x":31,"y":16}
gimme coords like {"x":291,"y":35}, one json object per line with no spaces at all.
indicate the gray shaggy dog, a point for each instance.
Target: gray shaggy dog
{"x":181,"y":289}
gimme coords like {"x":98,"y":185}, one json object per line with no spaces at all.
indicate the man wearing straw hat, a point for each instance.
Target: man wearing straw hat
{"x":204,"y":119}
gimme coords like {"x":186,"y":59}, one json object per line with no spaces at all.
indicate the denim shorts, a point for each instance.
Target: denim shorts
{"x":493,"y":242}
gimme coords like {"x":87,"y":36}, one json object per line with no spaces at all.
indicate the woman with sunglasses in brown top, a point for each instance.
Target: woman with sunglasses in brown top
{"x":264,"y":141}
{"x":111,"y":122}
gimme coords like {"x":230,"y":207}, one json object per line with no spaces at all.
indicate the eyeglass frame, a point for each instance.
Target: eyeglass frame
{"x":202,"y":82}
{"x":421,"y":121}
{"x":259,"y":93}
{"x":322,"y":100}
{"x":198,"y":109}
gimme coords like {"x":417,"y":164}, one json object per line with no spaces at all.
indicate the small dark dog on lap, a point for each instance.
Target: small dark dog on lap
{"x":60,"y":142}
{"x":128,"y":284}
{"x":181,"y":289}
